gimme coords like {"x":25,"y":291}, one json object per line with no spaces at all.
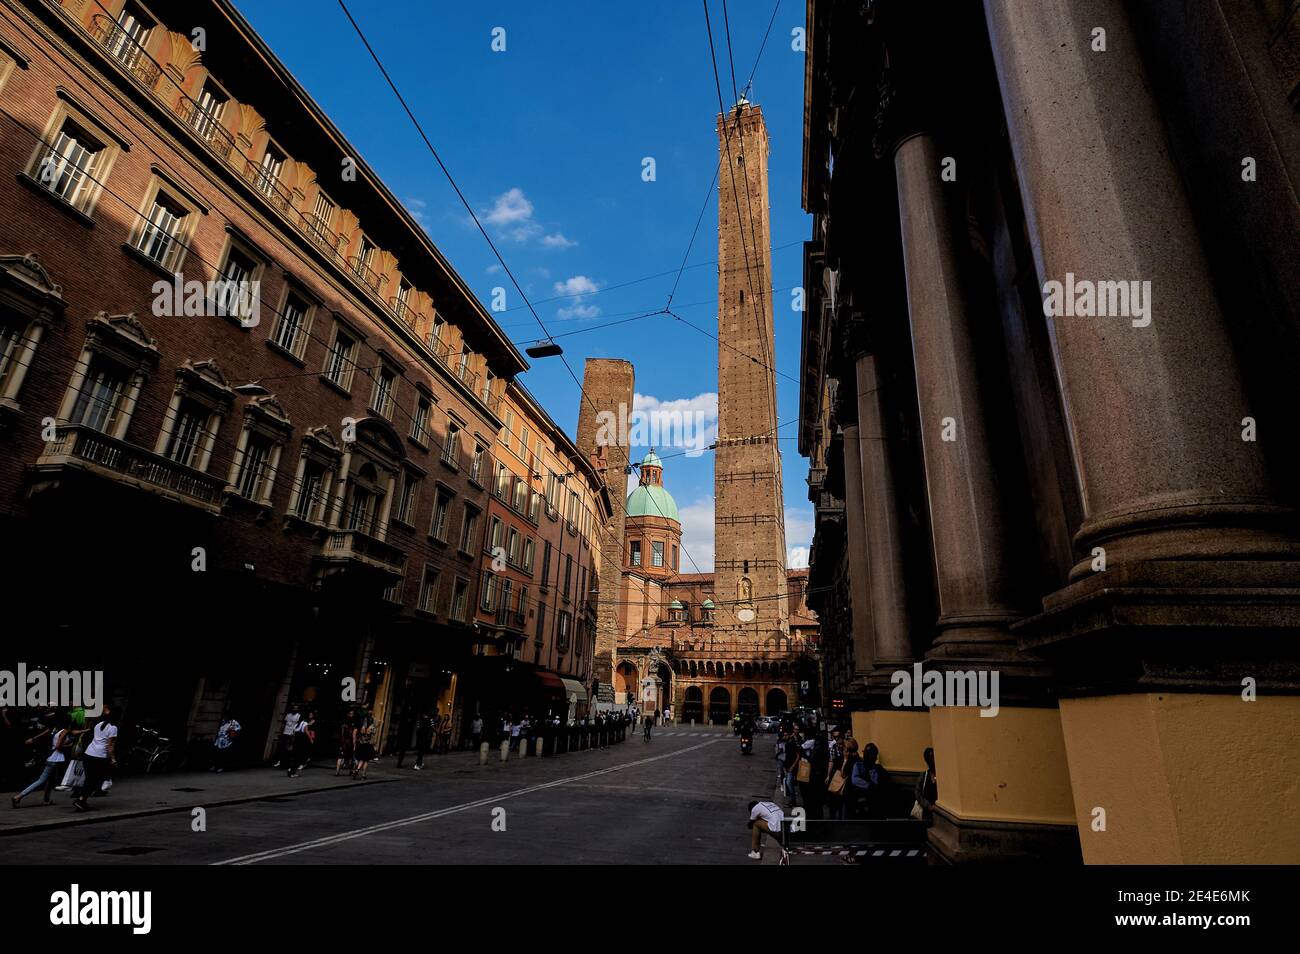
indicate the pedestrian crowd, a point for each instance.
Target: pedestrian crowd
{"x":831,"y":776}
{"x":63,"y":749}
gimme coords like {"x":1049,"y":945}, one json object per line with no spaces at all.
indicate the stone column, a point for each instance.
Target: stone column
{"x":972,"y":557}
{"x":884,"y":539}
{"x":864,"y":634}
{"x":1155,"y":403}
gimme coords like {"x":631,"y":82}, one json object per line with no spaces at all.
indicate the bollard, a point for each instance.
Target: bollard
{"x":692,"y":723}
{"x":541,"y":745}
{"x":483,"y":754}
{"x":523,"y":747}
{"x":505,"y":749}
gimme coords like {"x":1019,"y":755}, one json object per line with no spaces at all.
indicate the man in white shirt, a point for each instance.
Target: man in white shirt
{"x":287,"y":731}
{"x":763,"y":817}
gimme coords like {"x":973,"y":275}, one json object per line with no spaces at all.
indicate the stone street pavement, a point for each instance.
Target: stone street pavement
{"x":678,"y":799}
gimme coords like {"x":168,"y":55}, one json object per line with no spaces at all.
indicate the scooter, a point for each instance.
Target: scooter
{"x":746,"y":744}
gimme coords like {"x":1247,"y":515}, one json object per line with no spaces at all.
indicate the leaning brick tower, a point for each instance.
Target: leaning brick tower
{"x":749,"y":514}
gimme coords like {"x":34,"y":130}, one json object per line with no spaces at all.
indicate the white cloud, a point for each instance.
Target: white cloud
{"x":579,"y":311}
{"x":417,"y":209}
{"x":557,"y":240}
{"x":697,"y":536}
{"x":706,"y":403}
{"x":511,"y":207}
{"x":796,"y":558}
{"x":576,"y":286}
{"x":493,"y":269}
{"x":512,"y":216}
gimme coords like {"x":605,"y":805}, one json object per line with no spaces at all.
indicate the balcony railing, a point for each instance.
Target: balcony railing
{"x":84,"y":448}
{"x":408,"y":315}
{"x":261,"y":179}
{"x":353,"y":546}
{"x":215,"y":136}
{"x":124,"y":48}
{"x":467,"y":377}
{"x":368,"y":276}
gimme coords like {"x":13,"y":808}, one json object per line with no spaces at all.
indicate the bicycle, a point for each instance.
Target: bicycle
{"x":151,"y":751}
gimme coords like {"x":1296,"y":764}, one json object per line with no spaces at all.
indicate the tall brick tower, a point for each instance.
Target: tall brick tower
{"x":609,"y":384}
{"x":749,"y":514}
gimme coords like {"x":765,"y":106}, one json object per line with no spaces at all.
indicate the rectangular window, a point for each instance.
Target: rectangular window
{"x":420,"y":420}
{"x":234,"y":285}
{"x":100,"y":396}
{"x":68,"y":167}
{"x":541,"y":622}
{"x":163,"y":234}
{"x":521,"y":494}
{"x":10,"y":348}
{"x":546,"y":562}
{"x":311,"y":493}
{"x":501,"y":485}
{"x":206,"y":116}
{"x":495,"y":536}
{"x":503,"y":610}
{"x":268,"y":173}
{"x":381,"y":395}
{"x":635,"y":558}
{"x":476,"y":468}
{"x":459,"y":599}
{"x":568,"y":574}
{"x":435,"y":336}
{"x":552,"y":489}
{"x":529,"y":547}
{"x":535,"y":507}
{"x":361,"y":511}
{"x":525,"y":437}
{"x":507,"y":429}
{"x":252,"y":470}
{"x":489,"y":588}
{"x":429,"y":590}
{"x":522,"y":609}
{"x":402,"y":301}
{"x":489,"y":381}
{"x":462,"y":369}
{"x":512,"y":547}
{"x":467,"y":528}
{"x":657,"y":553}
{"x":674,"y":556}
{"x":290,"y":331}
{"x":321,"y":222}
{"x":188,"y":434}
{"x":438,"y":529}
{"x":451,"y":449}
{"x":406,"y":503}
{"x":339,"y":362}
{"x":562,"y":632}
{"x":127,"y":39}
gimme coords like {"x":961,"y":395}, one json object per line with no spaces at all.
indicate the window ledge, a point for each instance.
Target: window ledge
{"x":466,"y":554}
{"x":401,"y":524}
{"x":433,"y":539}
{"x":450,"y":465}
{"x":148,"y":262}
{"x":285,"y":353}
{"x":58,"y":201}
{"x":417,"y":442}
{"x":335,"y":385}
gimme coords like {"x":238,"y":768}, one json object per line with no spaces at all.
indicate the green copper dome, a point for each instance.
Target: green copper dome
{"x":708,"y":604}
{"x":651,"y":500}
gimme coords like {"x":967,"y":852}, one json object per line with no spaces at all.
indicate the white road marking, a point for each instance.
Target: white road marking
{"x":270,"y":854}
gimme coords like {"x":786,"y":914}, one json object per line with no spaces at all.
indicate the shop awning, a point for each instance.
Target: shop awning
{"x":575,"y":688}
{"x":550,"y":680}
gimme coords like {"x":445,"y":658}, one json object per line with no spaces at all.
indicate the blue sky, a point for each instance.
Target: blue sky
{"x":546,"y":140}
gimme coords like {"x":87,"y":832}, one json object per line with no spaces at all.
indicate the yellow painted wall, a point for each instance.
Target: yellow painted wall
{"x":902,"y":737}
{"x":1011,"y":767}
{"x":861,"y":727}
{"x":1186,"y":778}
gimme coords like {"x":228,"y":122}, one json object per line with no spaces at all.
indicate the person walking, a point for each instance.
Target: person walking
{"x":515,"y":729}
{"x":289,"y":728}
{"x":476,"y":731}
{"x":927,"y":790}
{"x":423,"y":737}
{"x":835,"y":778}
{"x":347,"y":745}
{"x":52,"y":770}
{"x":223,"y":746}
{"x":99,"y":758}
{"x":301,"y":748}
{"x":365,"y":746}
{"x":848,"y":794}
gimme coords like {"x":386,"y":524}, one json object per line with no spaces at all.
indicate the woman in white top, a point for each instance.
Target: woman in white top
{"x":52,"y":771}
{"x":98,"y":758}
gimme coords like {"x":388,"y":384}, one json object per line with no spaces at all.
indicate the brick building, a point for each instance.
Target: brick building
{"x":236,"y":495}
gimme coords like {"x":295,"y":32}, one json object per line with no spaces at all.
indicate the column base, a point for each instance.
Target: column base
{"x":956,"y":841}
